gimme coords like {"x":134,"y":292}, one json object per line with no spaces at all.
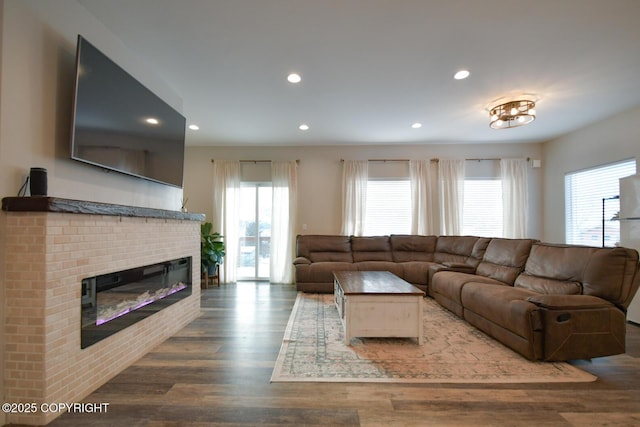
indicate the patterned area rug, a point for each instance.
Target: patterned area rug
{"x":313,"y":350}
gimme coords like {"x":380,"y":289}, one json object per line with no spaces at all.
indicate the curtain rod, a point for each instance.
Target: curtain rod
{"x":376,"y":160}
{"x":494,"y":159}
{"x":482,"y":160}
{"x":384,"y":160}
{"x":255,"y":161}
{"x":433,"y":160}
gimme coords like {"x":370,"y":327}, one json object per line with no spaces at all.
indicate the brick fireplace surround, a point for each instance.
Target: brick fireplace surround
{"x":49,"y":246}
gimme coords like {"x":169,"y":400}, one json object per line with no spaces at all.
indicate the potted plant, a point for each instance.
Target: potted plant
{"x":211,"y":249}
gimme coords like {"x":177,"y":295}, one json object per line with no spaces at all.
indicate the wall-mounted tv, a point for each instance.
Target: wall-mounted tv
{"x":120,"y":125}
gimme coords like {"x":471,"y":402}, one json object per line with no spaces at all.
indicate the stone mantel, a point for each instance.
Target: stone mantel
{"x":59,"y":205}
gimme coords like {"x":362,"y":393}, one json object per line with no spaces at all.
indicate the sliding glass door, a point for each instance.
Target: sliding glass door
{"x":255,"y":231}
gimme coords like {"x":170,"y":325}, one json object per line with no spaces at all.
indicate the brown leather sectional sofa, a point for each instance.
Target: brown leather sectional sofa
{"x":545,"y":301}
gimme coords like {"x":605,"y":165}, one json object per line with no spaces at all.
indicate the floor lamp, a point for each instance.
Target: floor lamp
{"x":603,"y":220}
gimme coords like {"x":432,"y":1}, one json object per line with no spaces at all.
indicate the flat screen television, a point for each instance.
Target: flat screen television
{"x":120,"y":125}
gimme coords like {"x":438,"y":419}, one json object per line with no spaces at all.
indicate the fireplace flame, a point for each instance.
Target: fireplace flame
{"x":108,"y":312}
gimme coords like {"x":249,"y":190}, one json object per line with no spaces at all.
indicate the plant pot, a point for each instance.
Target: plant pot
{"x":212,"y":270}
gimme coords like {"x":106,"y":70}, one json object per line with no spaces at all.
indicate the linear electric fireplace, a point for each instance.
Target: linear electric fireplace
{"x":112,"y":302}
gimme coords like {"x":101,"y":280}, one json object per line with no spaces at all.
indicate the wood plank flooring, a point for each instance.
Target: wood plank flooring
{"x":216,"y":371}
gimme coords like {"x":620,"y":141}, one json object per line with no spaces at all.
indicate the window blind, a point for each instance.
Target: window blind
{"x":388,"y":208}
{"x":482,"y":214}
{"x":584,"y":194}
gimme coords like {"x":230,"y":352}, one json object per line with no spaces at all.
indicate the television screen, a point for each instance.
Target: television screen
{"x":120,"y":125}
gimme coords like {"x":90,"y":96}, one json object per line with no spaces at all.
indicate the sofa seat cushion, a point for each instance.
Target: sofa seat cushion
{"x":392,"y":267}
{"x":416,"y":272}
{"x":446,"y":288}
{"x":505,"y":306}
{"x":321,"y":271}
{"x":545,"y":286}
{"x":450,"y":283}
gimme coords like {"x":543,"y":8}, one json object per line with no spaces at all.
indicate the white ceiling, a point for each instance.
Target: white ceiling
{"x":371,"y":68}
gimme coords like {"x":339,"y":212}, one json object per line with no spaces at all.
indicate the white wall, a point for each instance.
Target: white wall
{"x":38,"y":67}
{"x":608,"y":141}
{"x":320,"y":174}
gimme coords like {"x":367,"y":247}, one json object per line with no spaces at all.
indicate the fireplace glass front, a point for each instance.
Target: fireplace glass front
{"x":112,"y":302}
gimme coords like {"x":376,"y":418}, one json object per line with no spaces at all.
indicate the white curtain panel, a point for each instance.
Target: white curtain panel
{"x":452,"y":195}
{"x":283,"y":218}
{"x":226,"y":205}
{"x":425,"y":203}
{"x":513,"y":173}
{"x":355,"y":174}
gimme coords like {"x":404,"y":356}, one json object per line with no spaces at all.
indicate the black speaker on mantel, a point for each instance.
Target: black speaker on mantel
{"x":38,"y":181}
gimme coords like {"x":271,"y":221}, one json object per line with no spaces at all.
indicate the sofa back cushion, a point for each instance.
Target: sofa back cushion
{"x":554,"y":269}
{"x":477,"y":253}
{"x":375,"y":248}
{"x":406,"y":248}
{"x":324,"y":248}
{"x":454,"y":248}
{"x":567,"y":269}
{"x":504,"y":259}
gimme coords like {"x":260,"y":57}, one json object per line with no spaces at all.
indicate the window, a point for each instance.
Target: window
{"x":482,"y":209}
{"x":388,"y":208}
{"x":587,"y":194}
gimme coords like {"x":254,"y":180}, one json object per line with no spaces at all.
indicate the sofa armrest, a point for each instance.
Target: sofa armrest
{"x":569,"y":302}
{"x":301,"y":260}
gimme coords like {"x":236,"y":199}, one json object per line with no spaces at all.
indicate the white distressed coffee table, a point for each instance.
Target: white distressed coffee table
{"x":377,"y":304}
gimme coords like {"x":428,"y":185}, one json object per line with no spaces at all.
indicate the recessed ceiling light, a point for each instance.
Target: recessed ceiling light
{"x":303,"y":127}
{"x":416,"y":125}
{"x":294,"y":78}
{"x":194,"y":127}
{"x":462,"y":74}
{"x":152,"y":120}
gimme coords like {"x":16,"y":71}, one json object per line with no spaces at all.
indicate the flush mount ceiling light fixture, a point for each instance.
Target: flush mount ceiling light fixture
{"x":512,"y":114}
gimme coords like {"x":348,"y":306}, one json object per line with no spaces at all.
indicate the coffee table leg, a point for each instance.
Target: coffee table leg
{"x":347,"y":323}
{"x":420,"y":313}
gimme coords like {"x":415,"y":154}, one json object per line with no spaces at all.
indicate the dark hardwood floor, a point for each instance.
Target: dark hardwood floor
{"x":216,"y":372}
